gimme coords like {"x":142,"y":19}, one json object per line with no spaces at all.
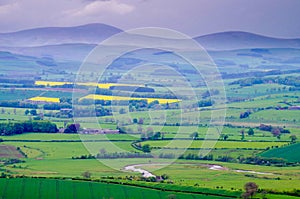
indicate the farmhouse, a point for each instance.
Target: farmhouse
{"x":99,"y":131}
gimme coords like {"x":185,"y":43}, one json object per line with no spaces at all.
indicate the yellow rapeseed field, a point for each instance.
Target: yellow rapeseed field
{"x":100,"y":85}
{"x":120,"y":98}
{"x":45,"y":99}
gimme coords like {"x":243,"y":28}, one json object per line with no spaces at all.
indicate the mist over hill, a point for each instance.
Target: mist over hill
{"x":62,"y":47}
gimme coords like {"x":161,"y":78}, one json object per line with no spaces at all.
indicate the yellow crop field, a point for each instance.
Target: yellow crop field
{"x":100,"y":85}
{"x":45,"y":99}
{"x":120,"y":98}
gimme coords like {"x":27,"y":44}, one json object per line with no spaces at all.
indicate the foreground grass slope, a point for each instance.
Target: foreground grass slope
{"x":52,"y":188}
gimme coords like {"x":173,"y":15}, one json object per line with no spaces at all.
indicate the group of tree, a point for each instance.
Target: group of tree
{"x":150,"y":135}
{"x":12,"y":128}
{"x":276,"y":131}
{"x":250,"y":190}
{"x":287,"y":80}
{"x":18,"y":104}
{"x":250,"y":132}
{"x":98,"y":111}
{"x":72,"y":128}
{"x":104,"y":155}
{"x":32,"y":112}
{"x":245,"y":114}
{"x":194,"y":135}
{"x":192,"y":156}
{"x":205,"y":103}
{"x":57,"y":106}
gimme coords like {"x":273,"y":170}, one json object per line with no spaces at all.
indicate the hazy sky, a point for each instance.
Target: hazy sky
{"x":278,"y":18}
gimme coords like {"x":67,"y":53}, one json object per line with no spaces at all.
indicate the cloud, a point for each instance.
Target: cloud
{"x":8,"y":7}
{"x":98,"y":7}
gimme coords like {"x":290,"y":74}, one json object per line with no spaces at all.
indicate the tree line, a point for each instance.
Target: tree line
{"x":12,"y":128}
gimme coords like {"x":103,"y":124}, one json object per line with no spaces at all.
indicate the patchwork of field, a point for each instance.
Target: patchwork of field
{"x":121,"y":98}
{"x":93,"y":84}
{"x":68,"y":155}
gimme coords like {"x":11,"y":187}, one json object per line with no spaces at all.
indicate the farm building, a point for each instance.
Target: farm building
{"x":99,"y":131}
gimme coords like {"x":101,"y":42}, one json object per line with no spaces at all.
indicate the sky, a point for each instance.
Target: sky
{"x":276,"y":18}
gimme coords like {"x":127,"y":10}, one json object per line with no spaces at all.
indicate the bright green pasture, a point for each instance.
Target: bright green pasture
{"x":58,"y":150}
{"x":290,"y":153}
{"x":66,"y":137}
{"x":198,"y":173}
{"x":218,"y":144}
{"x":31,"y":188}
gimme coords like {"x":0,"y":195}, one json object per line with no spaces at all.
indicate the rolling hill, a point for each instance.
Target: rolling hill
{"x":243,"y":40}
{"x":290,"y":153}
{"x":90,"y":33}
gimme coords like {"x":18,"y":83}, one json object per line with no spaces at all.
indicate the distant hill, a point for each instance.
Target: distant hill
{"x":88,"y":34}
{"x":233,"y":52}
{"x":66,"y":52}
{"x":290,"y":153}
{"x":243,"y":40}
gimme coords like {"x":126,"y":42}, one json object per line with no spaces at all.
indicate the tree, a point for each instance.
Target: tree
{"x":86,"y":174}
{"x":250,"y":190}
{"x":225,"y":137}
{"x":194,"y":135}
{"x":135,"y":120}
{"x":250,"y":131}
{"x":33,"y":112}
{"x":146,"y":148}
{"x":293,"y":139}
{"x":72,"y":128}
{"x":26,"y":112}
{"x":276,"y":132}
{"x":156,"y":135}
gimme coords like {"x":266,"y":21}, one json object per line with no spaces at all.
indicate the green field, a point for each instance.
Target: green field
{"x":218,"y":144}
{"x":55,"y":155}
{"x":290,"y":153}
{"x":47,"y":188}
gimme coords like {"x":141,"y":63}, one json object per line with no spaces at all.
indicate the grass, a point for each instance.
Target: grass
{"x":14,"y":94}
{"x":277,"y":115}
{"x":53,"y":188}
{"x":218,"y":144}
{"x":290,"y":153}
{"x":66,"y":137}
{"x":195,"y":173}
{"x":67,"y":150}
